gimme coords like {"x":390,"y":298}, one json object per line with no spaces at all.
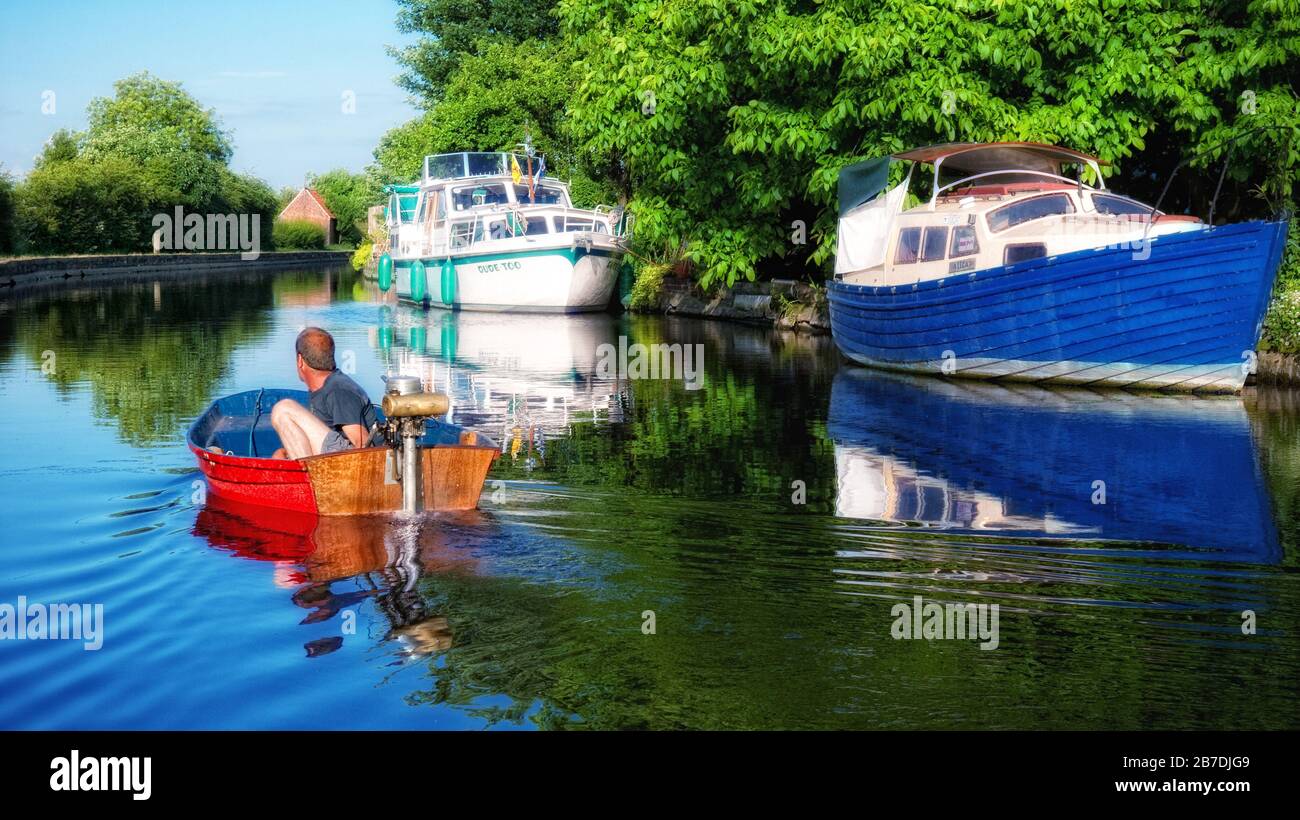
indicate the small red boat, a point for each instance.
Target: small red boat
{"x":234,"y":439}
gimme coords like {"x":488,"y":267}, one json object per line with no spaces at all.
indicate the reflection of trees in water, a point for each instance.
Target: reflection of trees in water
{"x":1275,"y":422}
{"x":151,"y":352}
{"x":757,"y":424}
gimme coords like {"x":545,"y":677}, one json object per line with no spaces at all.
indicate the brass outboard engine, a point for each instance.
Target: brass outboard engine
{"x":406,"y":410}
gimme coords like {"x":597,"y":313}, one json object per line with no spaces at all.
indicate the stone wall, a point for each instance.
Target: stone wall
{"x":26,"y":273}
{"x":781,"y":303}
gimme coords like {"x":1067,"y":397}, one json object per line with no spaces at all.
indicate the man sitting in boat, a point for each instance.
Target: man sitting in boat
{"x":340,"y":416}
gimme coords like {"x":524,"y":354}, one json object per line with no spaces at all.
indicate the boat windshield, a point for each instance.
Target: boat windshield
{"x":542,"y":195}
{"x":465,"y":197}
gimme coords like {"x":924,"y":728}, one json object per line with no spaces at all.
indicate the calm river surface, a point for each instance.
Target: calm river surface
{"x":770,"y":519}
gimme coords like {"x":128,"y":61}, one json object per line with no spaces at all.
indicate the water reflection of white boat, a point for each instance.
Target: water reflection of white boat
{"x":515,"y":375}
{"x":1030,"y":460}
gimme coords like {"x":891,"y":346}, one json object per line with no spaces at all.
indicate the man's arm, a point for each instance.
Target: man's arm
{"x":355,"y":434}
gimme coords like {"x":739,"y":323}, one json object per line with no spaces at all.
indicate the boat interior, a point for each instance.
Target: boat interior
{"x":241,"y":425}
{"x":986,"y":207}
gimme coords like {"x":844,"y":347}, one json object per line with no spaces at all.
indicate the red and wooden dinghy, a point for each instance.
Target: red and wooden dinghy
{"x":453,"y":463}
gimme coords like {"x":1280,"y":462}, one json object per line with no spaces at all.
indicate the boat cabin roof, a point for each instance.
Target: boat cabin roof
{"x":984,"y":157}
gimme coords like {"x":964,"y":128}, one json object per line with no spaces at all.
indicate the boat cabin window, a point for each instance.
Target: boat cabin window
{"x":470,"y":196}
{"x":1118,"y":205}
{"x":498,"y":229}
{"x":542,"y":195}
{"x":936,"y":242}
{"x":534,"y":225}
{"x":464,"y":234}
{"x":964,"y":242}
{"x":909,"y":246}
{"x":1017,"y":213}
{"x":563,"y":225}
{"x":1023,"y":252}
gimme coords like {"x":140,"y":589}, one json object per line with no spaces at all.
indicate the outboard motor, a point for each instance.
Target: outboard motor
{"x":406,"y":410}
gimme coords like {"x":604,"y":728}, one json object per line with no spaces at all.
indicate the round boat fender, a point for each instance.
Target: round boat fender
{"x":385,"y":272}
{"x":448,"y":282}
{"x":419,"y":283}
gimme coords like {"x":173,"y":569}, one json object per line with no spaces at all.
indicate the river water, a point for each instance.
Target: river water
{"x":729,"y":553}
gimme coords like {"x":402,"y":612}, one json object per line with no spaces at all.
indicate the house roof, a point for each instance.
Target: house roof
{"x":315,"y":197}
{"x":320,"y":200}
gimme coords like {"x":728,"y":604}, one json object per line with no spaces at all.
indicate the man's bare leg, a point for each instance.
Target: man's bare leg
{"x":301,"y":432}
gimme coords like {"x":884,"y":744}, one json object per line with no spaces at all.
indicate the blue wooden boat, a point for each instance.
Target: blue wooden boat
{"x":1015,"y":271}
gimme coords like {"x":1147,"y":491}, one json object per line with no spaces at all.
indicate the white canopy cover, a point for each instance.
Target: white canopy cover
{"x":864,"y":231}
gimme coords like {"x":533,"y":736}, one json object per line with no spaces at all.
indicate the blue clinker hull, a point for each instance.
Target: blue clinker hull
{"x":1187,"y":317}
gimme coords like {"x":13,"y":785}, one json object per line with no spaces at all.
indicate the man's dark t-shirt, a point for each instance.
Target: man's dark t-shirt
{"x":340,"y":402}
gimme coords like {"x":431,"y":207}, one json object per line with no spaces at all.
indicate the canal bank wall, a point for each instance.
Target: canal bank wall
{"x":780,"y":303}
{"x":800,"y":307}
{"x":17,"y":275}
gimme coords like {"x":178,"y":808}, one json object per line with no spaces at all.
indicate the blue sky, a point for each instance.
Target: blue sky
{"x":274,"y":71}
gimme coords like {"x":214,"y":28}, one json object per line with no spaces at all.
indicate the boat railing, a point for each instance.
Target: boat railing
{"x":466,"y":232}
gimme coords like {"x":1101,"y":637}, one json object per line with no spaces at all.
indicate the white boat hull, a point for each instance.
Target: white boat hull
{"x":568,"y":279}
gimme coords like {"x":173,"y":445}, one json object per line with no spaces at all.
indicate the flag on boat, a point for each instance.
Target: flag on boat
{"x":515,"y":174}
{"x":541,"y":169}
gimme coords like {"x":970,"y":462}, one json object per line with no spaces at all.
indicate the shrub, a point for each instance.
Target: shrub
{"x":648,"y":286}
{"x":362,"y":255}
{"x":6,"y":213}
{"x":86,"y":207}
{"x":298,"y":234}
{"x":1282,"y":323}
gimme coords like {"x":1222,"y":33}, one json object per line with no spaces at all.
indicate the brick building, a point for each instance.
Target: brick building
{"x":309,"y":206}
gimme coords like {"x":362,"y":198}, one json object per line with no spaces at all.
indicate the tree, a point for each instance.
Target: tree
{"x":142,"y":104}
{"x":492,"y":101}
{"x":730,"y":121}
{"x":86,"y":207}
{"x":148,"y":149}
{"x":6,"y":212}
{"x":453,"y":29}
{"x":348,"y":195}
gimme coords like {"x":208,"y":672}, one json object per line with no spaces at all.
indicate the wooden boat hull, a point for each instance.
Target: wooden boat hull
{"x":1187,"y":317}
{"x":353,"y":482}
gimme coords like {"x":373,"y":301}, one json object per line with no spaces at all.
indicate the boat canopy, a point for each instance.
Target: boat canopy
{"x":865,"y":215}
{"x":983,"y":157}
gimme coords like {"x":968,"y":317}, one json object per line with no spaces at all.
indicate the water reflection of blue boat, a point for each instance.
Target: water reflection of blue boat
{"x":1024,"y":459}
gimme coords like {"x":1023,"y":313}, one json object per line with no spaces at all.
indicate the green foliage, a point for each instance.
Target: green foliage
{"x":146,"y":114}
{"x":362,"y":255}
{"x":298,"y":234}
{"x":148,"y":149}
{"x":7,"y":237}
{"x":455,"y":29}
{"x":648,"y":286}
{"x":79,"y":206}
{"x":497,"y":89}
{"x":1282,"y":322}
{"x":492,"y":100}
{"x":348,"y":195}
{"x":757,"y":105}
{"x":60,"y":147}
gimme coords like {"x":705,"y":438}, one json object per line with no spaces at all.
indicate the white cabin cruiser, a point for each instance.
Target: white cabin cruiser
{"x":490,"y":231}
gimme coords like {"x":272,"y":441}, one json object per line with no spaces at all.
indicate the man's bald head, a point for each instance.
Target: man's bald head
{"x":316,"y":347}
